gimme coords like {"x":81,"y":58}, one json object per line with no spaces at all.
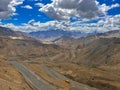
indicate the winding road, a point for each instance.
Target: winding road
{"x":30,"y":77}
{"x":42,"y":83}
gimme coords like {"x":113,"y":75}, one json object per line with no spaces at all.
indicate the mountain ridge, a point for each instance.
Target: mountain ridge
{"x":9,"y":33}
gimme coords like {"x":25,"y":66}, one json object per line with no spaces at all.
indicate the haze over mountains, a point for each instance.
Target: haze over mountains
{"x":49,"y":34}
{"x":57,"y":33}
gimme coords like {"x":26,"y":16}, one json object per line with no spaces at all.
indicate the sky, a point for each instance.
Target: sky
{"x":73,"y":15}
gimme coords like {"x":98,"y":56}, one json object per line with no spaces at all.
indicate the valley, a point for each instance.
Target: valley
{"x":87,"y":63}
{"x":59,"y":44}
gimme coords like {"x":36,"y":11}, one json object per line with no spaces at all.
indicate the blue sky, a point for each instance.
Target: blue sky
{"x":81,"y":15}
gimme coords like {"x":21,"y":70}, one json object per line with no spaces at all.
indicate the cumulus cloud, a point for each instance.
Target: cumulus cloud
{"x":27,"y":7}
{"x":104,"y":24}
{"x":64,"y":9}
{"x":32,"y":25}
{"x":111,"y":22}
{"x":7,"y":7}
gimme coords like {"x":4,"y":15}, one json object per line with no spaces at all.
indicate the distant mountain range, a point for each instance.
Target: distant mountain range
{"x":57,"y":33}
{"x":114,"y":33}
{"x":67,"y":40}
{"x":54,"y":34}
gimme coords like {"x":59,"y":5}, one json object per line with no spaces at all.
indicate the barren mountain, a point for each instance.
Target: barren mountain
{"x":43,"y":35}
{"x":109,"y":34}
{"x":8,"y":33}
{"x":90,"y":63}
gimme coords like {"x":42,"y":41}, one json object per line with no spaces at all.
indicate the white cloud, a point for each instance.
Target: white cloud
{"x":104,"y":24}
{"x":38,"y":26}
{"x":7,"y":7}
{"x":15,"y":14}
{"x":104,"y":8}
{"x":27,"y":7}
{"x":39,"y":4}
{"x":112,"y":22}
{"x":64,"y":9}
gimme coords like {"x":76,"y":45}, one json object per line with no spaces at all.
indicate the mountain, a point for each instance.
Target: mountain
{"x":90,"y":50}
{"x":62,"y":37}
{"x":70,"y":41}
{"x":109,"y":34}
{"x":88,"y":45}
{"x":57,"y":33}
{"x":92,"y":62}
{"x":17,"y":70}
{"x":8,"y":33}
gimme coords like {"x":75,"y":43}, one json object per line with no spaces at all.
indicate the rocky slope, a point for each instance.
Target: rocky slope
{"x":92,"y":61}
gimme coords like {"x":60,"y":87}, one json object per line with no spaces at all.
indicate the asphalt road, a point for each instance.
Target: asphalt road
{"x":74,"y":85}
{"x":29,"y":76}
{"x":40,"y":84}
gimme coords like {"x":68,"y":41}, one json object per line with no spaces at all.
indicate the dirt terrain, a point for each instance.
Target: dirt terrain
{"x":27,"y":76}
{"x":89,"y":64}
{"x":11,"y":79}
